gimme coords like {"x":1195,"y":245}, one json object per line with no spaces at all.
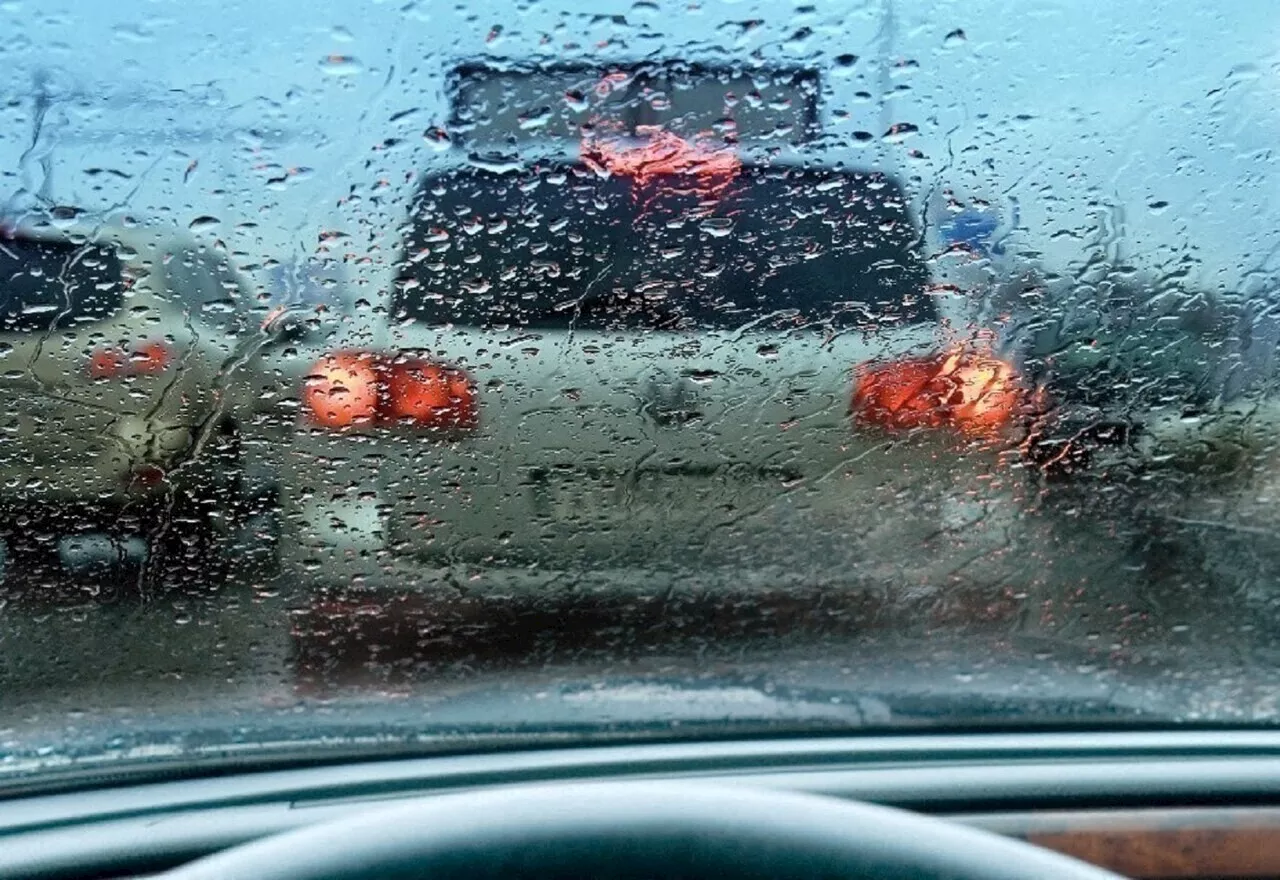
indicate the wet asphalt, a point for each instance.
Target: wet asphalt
{"x":1175,"y":592}
{"x":1097,"y":597}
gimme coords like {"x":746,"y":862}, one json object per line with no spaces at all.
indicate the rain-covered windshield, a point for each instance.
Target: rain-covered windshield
{"x":46,"y":284}
{"x":494,"y":105}
{"x":654,"y":369}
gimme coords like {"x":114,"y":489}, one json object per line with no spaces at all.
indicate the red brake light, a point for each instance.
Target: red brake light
{"x":149,"y":358}
{"x":665,"y":154}
{"x":431,"y":395}
{"x":975,"y":392}
{"x":350,"y":388}
{"x":106,"y":362}
{"x":342,"y":389}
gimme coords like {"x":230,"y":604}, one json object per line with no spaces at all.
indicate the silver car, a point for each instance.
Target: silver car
{"x":117,"y":340}
{"x":642,"y":342}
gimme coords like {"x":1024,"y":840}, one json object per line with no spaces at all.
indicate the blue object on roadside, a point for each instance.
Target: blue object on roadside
{"x":301,"y":283}
{"x":975,"y":230}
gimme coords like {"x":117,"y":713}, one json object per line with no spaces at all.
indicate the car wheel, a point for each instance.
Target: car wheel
{"x":251,"y":544}
{"x":211,"y":527}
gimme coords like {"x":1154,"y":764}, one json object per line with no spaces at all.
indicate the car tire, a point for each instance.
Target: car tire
{"x":214,"y":527}
{"x":251,"y":543}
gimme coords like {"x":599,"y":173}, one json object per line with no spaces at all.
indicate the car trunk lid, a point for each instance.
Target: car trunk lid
{"x":669,"y":320}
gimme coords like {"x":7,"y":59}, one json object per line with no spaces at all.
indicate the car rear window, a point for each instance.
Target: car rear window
{"x":563,"y":247}
{"x":51,"y":284}
{"x":568,"y":102}
{"x":204,"y":282}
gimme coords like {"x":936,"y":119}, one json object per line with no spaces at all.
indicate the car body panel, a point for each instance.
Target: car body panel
{"x":84,"y":427}
{"x":664,"y":361}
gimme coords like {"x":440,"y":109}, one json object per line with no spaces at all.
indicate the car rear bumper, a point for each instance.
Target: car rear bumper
{"x":354,"y":517}
{"x":43,"y":539}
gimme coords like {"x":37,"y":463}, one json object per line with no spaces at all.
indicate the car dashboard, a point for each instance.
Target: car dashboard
{"x":1192,"y":804}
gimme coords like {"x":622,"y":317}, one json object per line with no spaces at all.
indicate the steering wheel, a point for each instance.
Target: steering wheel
{"x":626,"y":830}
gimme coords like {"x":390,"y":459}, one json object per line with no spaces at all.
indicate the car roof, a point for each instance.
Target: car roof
{"x":145,"y":240}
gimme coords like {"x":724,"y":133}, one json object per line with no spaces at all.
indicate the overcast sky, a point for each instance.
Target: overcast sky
{"x":251,"y":113}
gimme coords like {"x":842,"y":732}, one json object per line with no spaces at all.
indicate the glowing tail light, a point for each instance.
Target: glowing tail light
{"x":964,"y":389}
{"x":431,"y":394}
{"x":343,"y":389}
{"x":365,"y":388}
{"x":149,"y":358}
{"x":666,"y":155}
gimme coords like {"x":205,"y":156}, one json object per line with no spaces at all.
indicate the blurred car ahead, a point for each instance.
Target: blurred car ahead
{"x":635,"y":307}
{"x":122,"y":447}
{"x":1161,"y":407}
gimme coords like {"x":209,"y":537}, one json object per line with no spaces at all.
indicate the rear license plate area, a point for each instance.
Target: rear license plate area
{"x":611,"y":500}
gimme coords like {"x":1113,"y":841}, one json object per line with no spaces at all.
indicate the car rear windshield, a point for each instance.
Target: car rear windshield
{"x":205,"y":283}
{"x":50,"y":284}
{"x":557,"y":248}
{"x":567,"y":102}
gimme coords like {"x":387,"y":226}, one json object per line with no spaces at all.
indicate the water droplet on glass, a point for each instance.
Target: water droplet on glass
{"x":845,"y":66}
{"x":717,"y":227}
{"x":900,"y":131}
{"x":341,"y":65}
{"x":437,"y":138}
{"x":534,"y":119}
{"x":64,"y":216}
